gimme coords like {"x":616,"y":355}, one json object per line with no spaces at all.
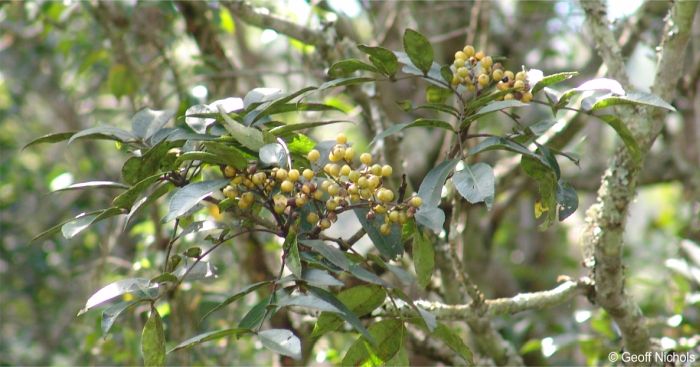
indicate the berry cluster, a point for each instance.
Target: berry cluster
{"x":476,"y":71}
{"x":343,"y":183}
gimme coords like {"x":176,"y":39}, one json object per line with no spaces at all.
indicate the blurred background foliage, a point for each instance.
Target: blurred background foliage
{"x":68,"y":65}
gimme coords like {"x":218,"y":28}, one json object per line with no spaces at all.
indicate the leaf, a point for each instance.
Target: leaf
{"x":541,"y":127}
{"x":454,"y":342}
{"x":104,"y":132}
{"x":50,"y":138}
{"x":203,"y":157}
{"x":625,"y":134}
{"x":344,"y":312}
{"x":117,"y":289}
{"x":553,"y":79}
{"x":281,"y":341}
{"x":146,"y":122}
{"x":389,"y":246}
{"x":423,"y":258}
{"x":320,"y":278}
{"x":634,"y":98}
{"x":248,"y":137}
{"x":306,"y":301}
{"x":546,"y":185}
{"x":329,"y":253}
{"x":431,"y":216}
{"x":418,"y":49}
{"x":421,"y":122}
{"x":360,"y":300}
{"x":497,"y":106}
{"x":293,"y":261}
{"x":429,"y":319}
{"x":273,"y":155}
{"x":349,"y":66}
{"x":94,"y":184}
{"x":82,"y":221}
{"x":136,"y":169}
{"x":199,"y":124}
{"x":567,"y":200}
{"x":236,"y":296}
{"x":185,"y":198}
{"x":389,"y":335}
{"x":126,"y":199}
{"x":604,"y":84}
{"x":110,"y":314}
{"x":446,"y":74}
{"x":258,"y":95}
{"x":497,"y":142}
{"x":431,"y":188}
{"x":301,"y":144}
{"x":153,"y":340}
{"x":228,"y":154}
{"x":476,"y":183}
{"x":363,"y":274}
{"x":278,"y":104}
{"x":435,"y":94}
{"x":344,"y":82}
{"x":384,"y":60}
{"x":209,"y":336}
{"x":281,"y":130}
{"x":254,"y":317}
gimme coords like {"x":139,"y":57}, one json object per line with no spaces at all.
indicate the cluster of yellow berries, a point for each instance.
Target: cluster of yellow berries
{"x":476,"y":71}
{"x":343,"y":183}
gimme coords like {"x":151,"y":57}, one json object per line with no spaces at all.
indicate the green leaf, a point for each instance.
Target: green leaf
{"x":117,"y":289}
{"x":82,"y":221}
{"x":360,"y":300}
{"x":110,"y":314}
{"x":384,"y":60}
{"x":344,"y":82}
{"x":126,"y":199}
{"x":94,"y":184}
{"x":454,"y":342}
{"x":389,"y":246}
{"x":281,"y":130}
{"x":185,"y":198}
{"x":273,"y":155}
{"x":446,"y":74}
{"x":147,"y":122}
{"x":393,"y":129}
{"x":431,"y":188}
{"x":437,"y":107}
{"x":344,"y":312}
{"x":104,"y":132}
{"x":254,"y":317}
{"x":199,"y":156}
{"x":260,"y":95}
{"x":278,"y":104}
{"x":281,"y":341}
{"x":546,"y":185}
{"x":599,"y":84}
{"x":421,"y":122}
{"x":306,"y":300}
{"x":236,"y":296}
{"x":625,"y":134}
{"x":248,"y":137}
{"x":553,"y":79}
{"x":293,"y":260}
{"x":418,"y":49}
{"x":431,"y":217}
{"x":423,"y":258}
{"x":476,"y":183}
{"x":136,"y":169}
{"x":497,"y":142}
{"x":320,"y":278}
{"x":209,"y":336}
{"x":363,"y":274}
{"x":434,"y":94}
{"x":55,"y":229}
{"x":301,"y":144}
{"x":389,"y":335}
{"x":50,"y":138}
{"x":349,"y":66}
{"x":329,"y":253}
{"x":499,"y":105}
{"x":567,"y":200}
{"x":634,"y":98}
{"x":228,"y":154}
{"x":153,"y":340}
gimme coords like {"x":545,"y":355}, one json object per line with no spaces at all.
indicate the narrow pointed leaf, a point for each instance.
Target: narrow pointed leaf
{"x":50,"y":138}
{"x":188,"y":196}
{"x":153,"y":340}
{"x":209,"y":336}
{"x":281,"y":341}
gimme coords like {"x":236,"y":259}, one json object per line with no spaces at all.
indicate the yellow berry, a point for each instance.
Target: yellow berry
{"x":462,"y":72}
{"x":293,"y":175}
{"x":333,"y":189}
{"x":379,"y":209}
{"x":456,"y":80}
{"x":479,"y":55}
{"x":385,"y":229}
{"x":403,"y":218}
{"x":237,"y":180}
{"x":365,"y":193}
{"x":376,"y":169}
{"x":387,"y":171}
{"x":286,"y":186}
{"x":259,"y":178}
{"x":229,"y":171}
{"x":300,"y":201}
{"x":520,"y":75}
{"x":366,"y":159}
{"x":334,"y":157}
{"x":230,"y":192}
{"x":519,"y":85}
{"x":483,"y":80}
{"x":508,"y":97}
{"x":248,"y":197}
{"x":353,"y":189}
{"x":341,"y":138}
{"x":243,"y":204}
{"x":354,"y":176}
{"x":459,"y":55}
{"x":331,"y":205}
{"x":385,"y":195}
{"x":527,"y":97}
{"x":363,"y":182}
{"x":354,"y":198}
{"x":394,"y":216}
{"x":281,"y":174}
{"x":306,"y":188}
{"x":308,"y":174}
{"x":325,"y":223}
{"x":318,"y":195}
{"x":312,"y":218}
{"x":502,"y":86}
{"x":509,"y":74}
{"x":416,"y":201}
{"x":325,"y":184}
{"x":497,"y":74}
{"x":373,"y":181}
{"x":487,"y":62}
{"x":468,"y":51}
{"x":313,"y":155}
{"x":334,"y":170}
{"x":471,"y":87}
{"x":345,"y":170}
{"x":349,"y":154}
{"x":458,"y":63}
